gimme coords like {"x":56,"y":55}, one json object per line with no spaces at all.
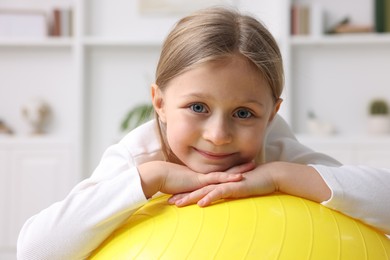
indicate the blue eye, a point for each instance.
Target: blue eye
{"x":198,"y":108}
{"x":243,"y":113}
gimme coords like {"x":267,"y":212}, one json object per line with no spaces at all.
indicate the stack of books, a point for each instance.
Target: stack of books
{"x":307,"y":19}
{"x":300,"y":19}
{"x":62,"y":22}
{"x":19,"y":23}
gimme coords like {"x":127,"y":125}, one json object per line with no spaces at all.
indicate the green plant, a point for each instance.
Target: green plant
{"x":379,"y":107}
{"x":136,"y":116}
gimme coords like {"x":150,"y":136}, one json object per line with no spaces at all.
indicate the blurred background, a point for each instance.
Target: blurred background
{"x":70,"y":71}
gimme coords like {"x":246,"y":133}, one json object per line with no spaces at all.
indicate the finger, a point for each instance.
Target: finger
{"x":174,"y":198}
{"x":221,"y":192}
{"x":194,"y":197}
{"x":218,"y":177}
{"x":242,"y":168}
{"x":209,"y":194}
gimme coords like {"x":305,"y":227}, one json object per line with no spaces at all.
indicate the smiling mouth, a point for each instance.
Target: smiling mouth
{"x":213,"y":156}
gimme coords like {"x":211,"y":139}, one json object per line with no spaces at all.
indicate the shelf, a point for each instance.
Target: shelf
{"x":118,"y":42}
{"x":87,"y":41}
{"x":37,"y":42}
{"x":16,"y":139}
{"x":344,"y":139}
{"x":345,"y":39}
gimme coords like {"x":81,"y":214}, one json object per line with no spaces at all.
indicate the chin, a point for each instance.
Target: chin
{"x":208,"y":168}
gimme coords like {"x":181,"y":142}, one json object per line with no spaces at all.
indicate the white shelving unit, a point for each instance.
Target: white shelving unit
{"x":336,"y":76}
{"x":339,"y":40}
{"x":341,"y":75}
{"x":93,"y":78}
{"x":36,"y":171}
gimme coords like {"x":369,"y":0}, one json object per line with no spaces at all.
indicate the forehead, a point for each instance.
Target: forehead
{"x":230,"y":60}
{"x":231,"y":77}
{"x":236,"y":66}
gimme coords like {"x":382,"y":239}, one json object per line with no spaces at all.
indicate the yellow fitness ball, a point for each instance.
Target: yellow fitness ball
{"x":269,"y":227}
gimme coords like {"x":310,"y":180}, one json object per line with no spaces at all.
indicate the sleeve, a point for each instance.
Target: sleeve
{"x":358,"y":191}
{"x":74,"y":227}
{"x":361,"y":192}
{"x":282,"y":145}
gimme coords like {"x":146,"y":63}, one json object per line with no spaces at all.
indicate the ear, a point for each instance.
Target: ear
{"x":158,"y":102}
{"x":275,"y":109}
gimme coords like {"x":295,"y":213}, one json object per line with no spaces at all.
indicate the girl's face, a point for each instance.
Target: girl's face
{"x":216,"y":114}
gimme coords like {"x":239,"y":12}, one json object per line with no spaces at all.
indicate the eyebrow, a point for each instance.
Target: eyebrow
{"x":202,"y":96}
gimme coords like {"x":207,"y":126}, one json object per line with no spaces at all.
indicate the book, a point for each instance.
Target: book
{"x":380,"y":19}
{"x":66,"y":22}
{"x":348,"y":28}
{"x":17,"y":23}
{"x":294,"y":20}
{"x":387,"y":15}
{"x":56,"y":23}
{"x":62,"y":22}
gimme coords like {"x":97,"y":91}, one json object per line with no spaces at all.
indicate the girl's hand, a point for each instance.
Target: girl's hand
{"x":290,"y":178}
{"x":257,"y":181}
{"x":172,"y":178}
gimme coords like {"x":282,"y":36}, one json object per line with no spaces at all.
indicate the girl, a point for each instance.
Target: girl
{"x":216,"y":135}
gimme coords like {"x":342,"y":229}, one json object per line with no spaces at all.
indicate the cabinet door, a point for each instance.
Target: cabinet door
{"x":39,"y":178}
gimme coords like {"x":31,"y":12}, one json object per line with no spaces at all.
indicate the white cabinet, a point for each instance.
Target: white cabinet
{"x":360,"y":149}
{"x":34,"y":173}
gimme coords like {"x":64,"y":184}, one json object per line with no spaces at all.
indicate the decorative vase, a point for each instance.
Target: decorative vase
{"x":379,"y":124}
{"x":36,"y":114}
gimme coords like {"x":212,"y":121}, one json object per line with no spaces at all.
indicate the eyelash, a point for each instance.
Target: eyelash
{"x":196,"y":106}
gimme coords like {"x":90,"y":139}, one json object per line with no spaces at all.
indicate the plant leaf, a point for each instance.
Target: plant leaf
{"x":136,"y":116}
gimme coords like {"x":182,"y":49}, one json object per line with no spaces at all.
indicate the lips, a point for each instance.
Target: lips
{"x":212,"y":155}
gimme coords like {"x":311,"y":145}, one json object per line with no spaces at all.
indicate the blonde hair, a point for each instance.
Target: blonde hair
{"x":215,"y":34}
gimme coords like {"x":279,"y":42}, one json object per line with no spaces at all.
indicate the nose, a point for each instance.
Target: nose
{"x":218,"y":131}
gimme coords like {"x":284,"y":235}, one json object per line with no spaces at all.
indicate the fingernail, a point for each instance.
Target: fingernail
{"x":234,"y":176}
{"x":201,"y":203}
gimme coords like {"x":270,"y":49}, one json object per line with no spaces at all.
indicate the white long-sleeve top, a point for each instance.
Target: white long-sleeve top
{"x":74,"y":227}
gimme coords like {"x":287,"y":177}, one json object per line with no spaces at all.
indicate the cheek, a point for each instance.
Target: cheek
{"x":179,"y":133}
{"x":251,"y":142}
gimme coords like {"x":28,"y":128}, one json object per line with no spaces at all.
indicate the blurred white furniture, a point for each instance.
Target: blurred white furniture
{"x":34,"y":173}
{"x":352,"y":149}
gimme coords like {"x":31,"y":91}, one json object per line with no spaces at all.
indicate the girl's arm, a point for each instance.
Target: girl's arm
{"x":290,"y":178}
{"x":75,"y":226}
{"x":170,"y":178}
{"x":360,"y":192}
